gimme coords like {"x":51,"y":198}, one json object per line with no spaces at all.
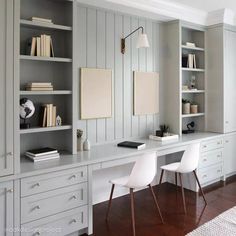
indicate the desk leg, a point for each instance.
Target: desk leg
{"x":90,"y":200}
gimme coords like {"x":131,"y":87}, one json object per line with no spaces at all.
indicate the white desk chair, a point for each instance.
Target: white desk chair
{"x":188,"y":163}
{"x":141,"y":176}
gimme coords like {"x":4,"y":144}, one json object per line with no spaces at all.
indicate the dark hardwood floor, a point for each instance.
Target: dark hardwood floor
{"x":220,"y":197}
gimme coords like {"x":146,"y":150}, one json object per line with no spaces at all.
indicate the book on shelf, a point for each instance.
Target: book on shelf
{"x":39,"y":86}
{"x":48,"y":115}
{"x":191,"y":61}
{"x":41,"y":20}
{"x":42,"y":154}
{"x":40,"y":46}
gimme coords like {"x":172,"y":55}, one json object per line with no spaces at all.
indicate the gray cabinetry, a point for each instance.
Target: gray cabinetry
{"x":6,"y":209}
{"x":221,"y":83}
{"x":6,"y":87}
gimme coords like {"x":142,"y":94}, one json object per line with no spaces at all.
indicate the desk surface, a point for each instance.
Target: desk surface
{"x":107,"y":152}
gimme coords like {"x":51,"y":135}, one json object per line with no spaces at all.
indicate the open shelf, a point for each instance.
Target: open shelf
{"x":193,"y":69}
{"x":52,"y":59}
{"x":51,"y":26}
{"x":192,"y":115}
{"x":45,"y":129}
{"x":193,"y":91}
{"x":55,"y":92}
{"x":193,"y":48}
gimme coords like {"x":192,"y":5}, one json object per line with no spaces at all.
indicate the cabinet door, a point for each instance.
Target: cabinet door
{"x":230,"y":81}
{"x":230,"y":154}
{"x":6,"y":209}
{"x":6,"y":87}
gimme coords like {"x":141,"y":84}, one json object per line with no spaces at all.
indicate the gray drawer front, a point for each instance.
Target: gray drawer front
{"x":210,"y":174}
{"x":45,"y":204}
{"x":211,"y":158}
{"x":211,"y":145}
{"x":58,"y":225}
{"x":43,"y":183}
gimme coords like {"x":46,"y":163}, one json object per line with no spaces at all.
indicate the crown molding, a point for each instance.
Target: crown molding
{"x":165,"y":11}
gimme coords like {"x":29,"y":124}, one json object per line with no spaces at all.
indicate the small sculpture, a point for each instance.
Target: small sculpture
{"x":58,"y":121}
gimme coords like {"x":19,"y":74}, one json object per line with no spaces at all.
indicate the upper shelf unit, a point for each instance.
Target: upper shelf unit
{"x":50,"y":26}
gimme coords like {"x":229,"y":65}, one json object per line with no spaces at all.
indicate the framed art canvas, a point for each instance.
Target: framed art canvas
{"x":95,"y":93}
{"x":146,"y":93}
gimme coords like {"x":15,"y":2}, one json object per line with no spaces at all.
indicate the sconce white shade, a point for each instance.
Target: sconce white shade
{"x":142,"y":41}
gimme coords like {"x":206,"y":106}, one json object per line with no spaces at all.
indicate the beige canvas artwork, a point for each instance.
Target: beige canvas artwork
{"x":95,"y":93}
{"x":146,"y":93}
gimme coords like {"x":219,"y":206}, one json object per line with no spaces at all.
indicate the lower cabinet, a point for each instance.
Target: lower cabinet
{"x":6,"y":208}
{"x":230,"y":154}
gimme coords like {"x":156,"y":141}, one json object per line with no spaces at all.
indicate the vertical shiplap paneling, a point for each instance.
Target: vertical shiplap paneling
{"x":149,"y":65}
{"x":127,"y":86}
{"x":134,"y":66}
{"x":99,"y":34}
{"x":142,"y":67}
{"x":101,"y":63}
{"x":110,"y":64}
{"x":92,"y":62}
{"x":155,"y":38}
{"x":118,"y":73}
{"x":82,"y":55}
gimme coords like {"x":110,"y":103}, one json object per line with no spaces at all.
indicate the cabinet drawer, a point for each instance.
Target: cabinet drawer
{"x":58,"y":225}
{"x":210,"y":158}
{"x":45,"y":204}
{"x":211,"y":145}
{"x":209,"y":174}
{"x":47,"y":182}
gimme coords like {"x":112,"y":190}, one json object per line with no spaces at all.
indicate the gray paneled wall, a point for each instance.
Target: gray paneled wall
{"x":99,"y":33}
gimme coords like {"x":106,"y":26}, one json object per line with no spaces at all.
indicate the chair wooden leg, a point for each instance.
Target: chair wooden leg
{"x":162,"y":172}
{"x":199,"y":185}
{"x":132,"y":210}
{"x":180,"y":178}
{"x":156,"y":203}
{"x":176,"y":181}
{"x":110,"y":200}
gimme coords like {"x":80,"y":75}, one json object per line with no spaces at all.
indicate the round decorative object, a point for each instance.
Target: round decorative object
{"x":27,"y":110}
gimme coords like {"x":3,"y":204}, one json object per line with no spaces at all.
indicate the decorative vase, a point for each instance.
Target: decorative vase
{"x":186,"y":108}
{"x":79,"y":144}
{"x":194,"y":109}
{"x":86,"y":145}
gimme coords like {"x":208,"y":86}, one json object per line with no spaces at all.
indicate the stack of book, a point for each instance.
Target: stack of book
{"x":42,"y":154}
{"x":192,"y":61}
{"x":41,"y":20}
{"x":48,"y":114}
{"x":41,"y":46}
{"x":39,"y":86}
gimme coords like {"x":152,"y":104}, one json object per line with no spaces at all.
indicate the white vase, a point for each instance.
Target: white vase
{"x":86,"y":145}
{"x":79,"y":144}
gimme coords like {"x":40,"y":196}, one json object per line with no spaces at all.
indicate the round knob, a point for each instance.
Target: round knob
{"x":227,"y":122}
{"x":73,"y":177}
{"x":37,"y":233}
{"x":37,"y":207}
{"x":74,"y":221}
{"x":10,"y":190}
{"x":74,"y":197}
{"x":37,"y":185}
{"x":10,"y":154}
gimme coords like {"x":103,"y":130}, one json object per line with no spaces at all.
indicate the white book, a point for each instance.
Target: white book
{"x":43,"y":20}
{"x":38,"y":45}
{"x":47,"y":45}
{"x":46,"y":158}
{"x":33,"y":47}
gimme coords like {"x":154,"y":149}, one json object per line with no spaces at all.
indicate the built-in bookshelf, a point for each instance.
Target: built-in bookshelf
{"x":56,"y":69}
{"x":196,"y":75}
{"x":185,"y":74}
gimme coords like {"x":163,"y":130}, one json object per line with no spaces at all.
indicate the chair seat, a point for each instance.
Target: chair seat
{"x":173,"y":167}
{"x":120,"y":181}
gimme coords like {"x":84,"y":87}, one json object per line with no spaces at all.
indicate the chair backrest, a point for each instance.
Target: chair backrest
{"x":143,"y":171}
{"x":190,"y":158}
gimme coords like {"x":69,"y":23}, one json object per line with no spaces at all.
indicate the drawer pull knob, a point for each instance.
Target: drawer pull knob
{"x":227,"y":141}
{"x":37,"y":207}
{"x":218,"y":155}
{"x":73,"y":177}
{"x":204,"y":176}
{"x":218,"y":171}
{"x":205,"y":159}
{"x":10,"y":154}
{"x":205,"y":146}
{"x":74,"y":197}
{"x":219,"y":143}
{"x":10,"y":190}
{"x":73,"y":221}
{"x":37,"y":185}
{"x":36,"y":234}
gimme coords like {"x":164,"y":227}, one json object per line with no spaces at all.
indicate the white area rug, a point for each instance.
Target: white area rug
{"x":222,"y":225}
